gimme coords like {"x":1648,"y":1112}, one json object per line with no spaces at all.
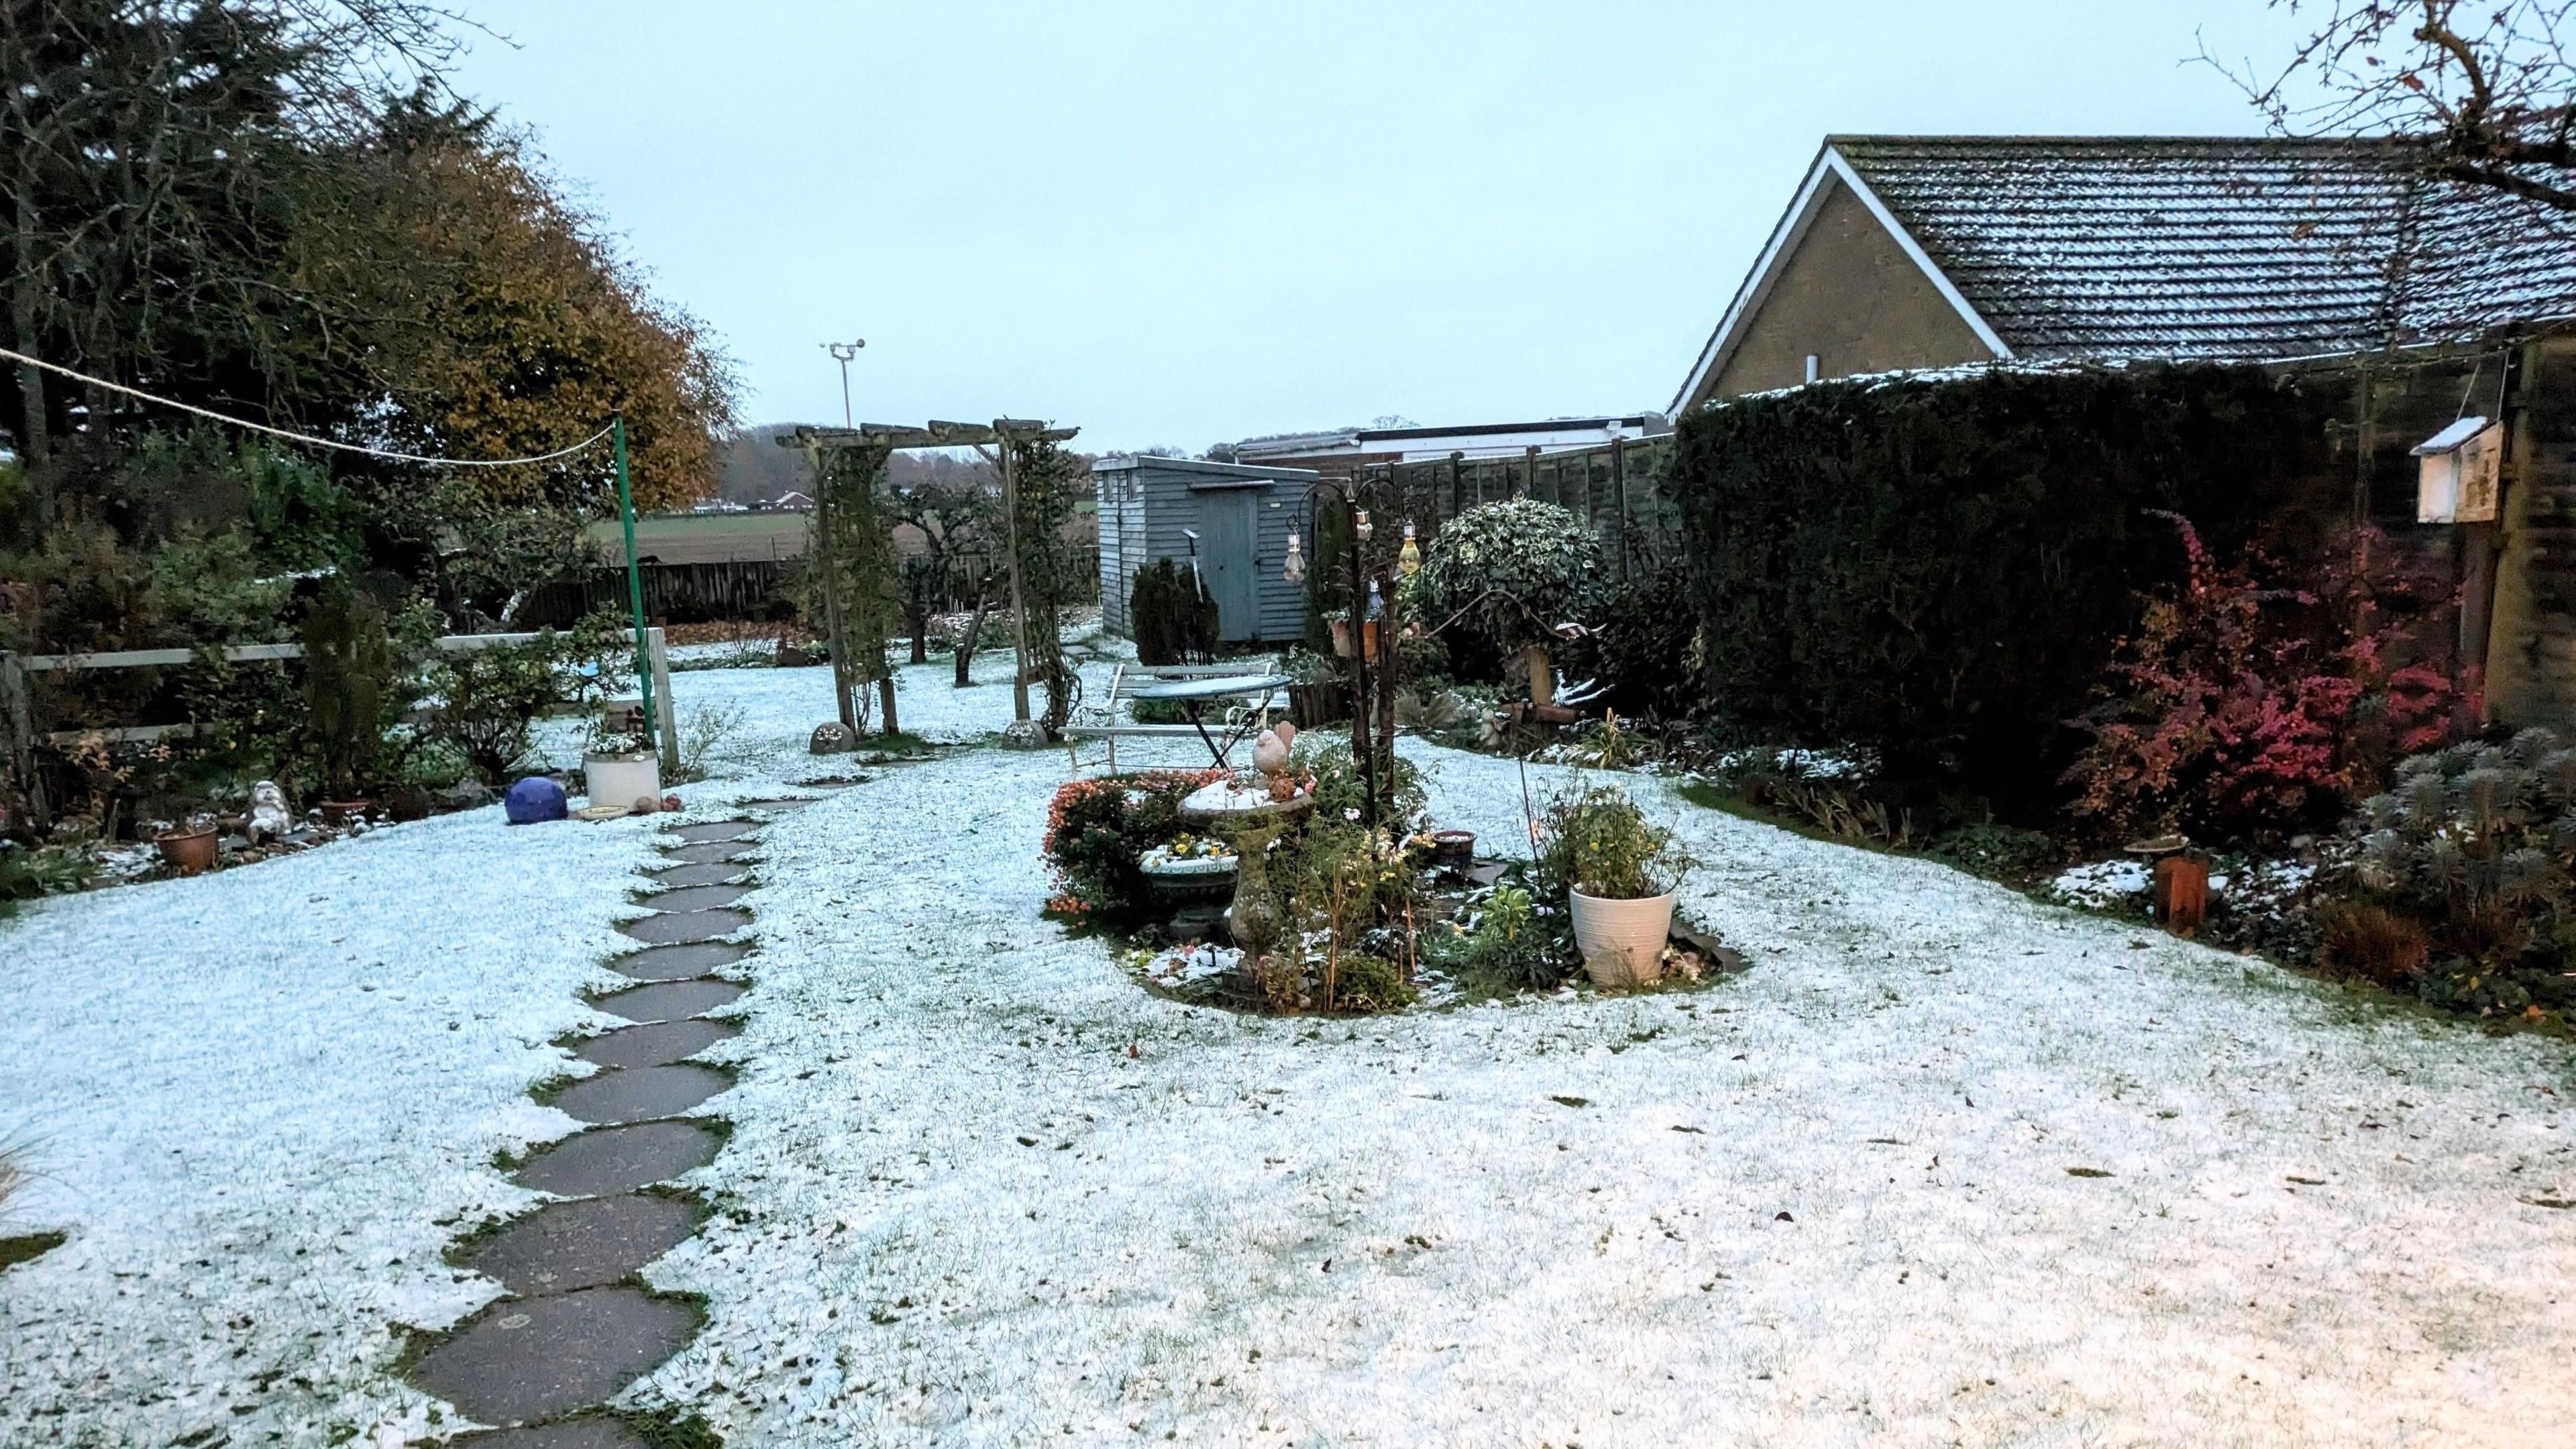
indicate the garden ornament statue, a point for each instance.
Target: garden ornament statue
{"x":269,"y":819}
{"x":534,"y":799}
{"x":1024,"y":734}
{"x":831,"y":738}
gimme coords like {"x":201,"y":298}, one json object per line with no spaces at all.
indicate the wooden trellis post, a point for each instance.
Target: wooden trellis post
{"x":830,"y":450}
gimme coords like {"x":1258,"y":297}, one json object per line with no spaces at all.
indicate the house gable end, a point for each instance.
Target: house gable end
{"x":1860,"y":294}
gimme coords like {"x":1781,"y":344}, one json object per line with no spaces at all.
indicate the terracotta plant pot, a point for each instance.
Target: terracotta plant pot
{"x":1455,"y":849}
{"x":1622,"y":941}
{"x":338,"y":814}
{"x":187,"y":851}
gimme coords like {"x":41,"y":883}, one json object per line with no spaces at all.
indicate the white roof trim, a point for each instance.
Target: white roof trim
{"x":1785,"y":237}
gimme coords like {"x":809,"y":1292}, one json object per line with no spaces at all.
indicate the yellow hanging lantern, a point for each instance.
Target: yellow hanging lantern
{"x":1410,"y":558}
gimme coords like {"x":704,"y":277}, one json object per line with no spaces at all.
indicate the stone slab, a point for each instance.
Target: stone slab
{"x":782,"y":803}
{"x":669,"y":1000}
{"x":680,"y":962}
{"x":714,"y":872}
{"x":655,"y":1045}
{"x":567,"y":1246}
{"x":710,"y":852}
{"x":640,"y":1094}
{"x":674,"y":928}
{"x":707,"y":830}
{"x":619,"y":1159}
{"x":523,"y":1359}
{"x":570,"y":1434}
{"x":694,"y":898}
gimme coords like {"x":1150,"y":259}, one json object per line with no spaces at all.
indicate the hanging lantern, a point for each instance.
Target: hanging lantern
{"x":1410,"y":559}
{"x":1294,"y":570}
{"x":1361,"y":526}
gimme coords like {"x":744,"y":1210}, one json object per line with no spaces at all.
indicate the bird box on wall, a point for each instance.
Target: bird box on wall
{"x":2459,"y":469}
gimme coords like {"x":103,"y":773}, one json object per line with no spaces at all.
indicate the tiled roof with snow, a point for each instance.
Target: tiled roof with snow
{"x":2209,"y":247}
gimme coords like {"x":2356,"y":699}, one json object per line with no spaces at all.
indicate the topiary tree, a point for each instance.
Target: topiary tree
{"x":1510,"y":571}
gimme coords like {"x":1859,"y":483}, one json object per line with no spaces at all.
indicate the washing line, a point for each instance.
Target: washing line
{"x":306,"y":438}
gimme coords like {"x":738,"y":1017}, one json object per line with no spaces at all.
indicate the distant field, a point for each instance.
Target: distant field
{"x":707,"y":537}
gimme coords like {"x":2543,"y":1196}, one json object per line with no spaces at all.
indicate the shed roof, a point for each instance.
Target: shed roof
{"x":1209,"y":470}
{"x":2191,"y":247}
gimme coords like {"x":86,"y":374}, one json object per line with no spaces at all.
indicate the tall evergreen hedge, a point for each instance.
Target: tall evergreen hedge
{"x":1940,"y":569}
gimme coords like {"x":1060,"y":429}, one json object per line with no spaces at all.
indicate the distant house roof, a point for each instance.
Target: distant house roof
{"x":2187,"y":247}
{"x":1441,"y":441}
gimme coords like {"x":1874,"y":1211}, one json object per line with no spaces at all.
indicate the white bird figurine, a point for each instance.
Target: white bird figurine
{"x":1270,"y":753}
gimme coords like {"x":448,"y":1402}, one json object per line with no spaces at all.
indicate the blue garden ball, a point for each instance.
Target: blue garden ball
{"x":533,"y":799}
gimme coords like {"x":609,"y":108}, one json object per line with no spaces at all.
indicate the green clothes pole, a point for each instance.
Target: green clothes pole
{"x":634,"y":582}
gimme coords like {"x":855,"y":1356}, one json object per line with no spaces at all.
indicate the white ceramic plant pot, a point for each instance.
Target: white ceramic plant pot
{"x":1622,"y":941}
{"x":622,"y":779}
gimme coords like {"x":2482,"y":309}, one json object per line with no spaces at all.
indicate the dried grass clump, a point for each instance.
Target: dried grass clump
{"x":2370,"y":943}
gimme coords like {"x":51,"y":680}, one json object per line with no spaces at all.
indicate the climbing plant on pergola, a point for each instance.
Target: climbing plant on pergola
{"x":859,"y":571}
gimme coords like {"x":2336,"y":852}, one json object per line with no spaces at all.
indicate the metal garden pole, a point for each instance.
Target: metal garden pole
{"x":635,"y":582}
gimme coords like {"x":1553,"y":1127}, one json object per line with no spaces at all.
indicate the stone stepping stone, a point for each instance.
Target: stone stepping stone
{"x":678,"y":963}
{"x":694,"y":898}
{"x":712,"y":830}
{"x":655,"y":1045}
{"x":711,"y":852}
{"x":523,"y":1359}
{"x":712,"y":873}
{"x":567,"y":1246}
{"x":669,"y":1000}
{"x":620,"y":1159}
{"x":672,"y":928}
{"x":640,"y":1094}
{"x":571,"y":1434}
{"x":779,"y":804}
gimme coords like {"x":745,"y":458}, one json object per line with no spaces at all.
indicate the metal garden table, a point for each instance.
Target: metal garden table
{"x":1195,"y":693}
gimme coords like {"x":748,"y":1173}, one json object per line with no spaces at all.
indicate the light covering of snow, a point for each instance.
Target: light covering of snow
{"x":2102,"y":882}
{"x":255,"y":1097}
{"x":985,"y":1188}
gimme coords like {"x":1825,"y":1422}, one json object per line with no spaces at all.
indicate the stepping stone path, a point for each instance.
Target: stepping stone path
{"x":572,"y":1331}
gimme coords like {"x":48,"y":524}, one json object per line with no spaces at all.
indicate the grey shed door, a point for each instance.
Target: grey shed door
{"x":1228,"y":560}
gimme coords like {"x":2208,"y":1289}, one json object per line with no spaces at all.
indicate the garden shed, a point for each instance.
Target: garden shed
{"x":1230,"y":520}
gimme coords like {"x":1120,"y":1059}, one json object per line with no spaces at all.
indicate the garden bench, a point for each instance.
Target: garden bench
{"x":1101,"y":722}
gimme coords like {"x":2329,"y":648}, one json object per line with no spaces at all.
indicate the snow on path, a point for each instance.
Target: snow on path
{"x":255,"y":1097}
{"x":1827,"y":1202}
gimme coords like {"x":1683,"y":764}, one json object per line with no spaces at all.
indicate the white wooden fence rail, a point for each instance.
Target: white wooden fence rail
{"x":20,"y":712}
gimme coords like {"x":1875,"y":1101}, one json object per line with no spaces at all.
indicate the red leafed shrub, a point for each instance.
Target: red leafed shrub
{"x":2245,"y":707}
{"x":1096,"y":831}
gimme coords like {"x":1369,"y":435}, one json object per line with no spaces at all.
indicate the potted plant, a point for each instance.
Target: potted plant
{"x":347,"y":667}
{"x":188,"y":849}
{"x":1511,"y":574}
{"x":1619,"y":873}
{"x":619,"y":768}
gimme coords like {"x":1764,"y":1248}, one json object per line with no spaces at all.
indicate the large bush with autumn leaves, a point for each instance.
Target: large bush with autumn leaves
{"x":277,"y":210}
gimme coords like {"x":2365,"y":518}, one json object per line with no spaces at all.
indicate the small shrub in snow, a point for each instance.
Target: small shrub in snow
{"x":2479,"y":843}
{"x":2370,"y":943}
{"x":1598,"y":841}
{"x":1504,"y":945}
{"x":1098,"y":831}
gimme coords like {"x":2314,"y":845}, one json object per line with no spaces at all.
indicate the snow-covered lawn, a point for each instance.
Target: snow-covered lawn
{"x":253,"y":1096}
{"x":983,"y":1189}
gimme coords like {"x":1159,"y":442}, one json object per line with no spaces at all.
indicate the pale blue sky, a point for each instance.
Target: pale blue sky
{"x":1178,"y":224}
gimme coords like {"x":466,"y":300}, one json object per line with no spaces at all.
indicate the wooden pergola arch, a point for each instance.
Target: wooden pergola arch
{"x":837,"y":472}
